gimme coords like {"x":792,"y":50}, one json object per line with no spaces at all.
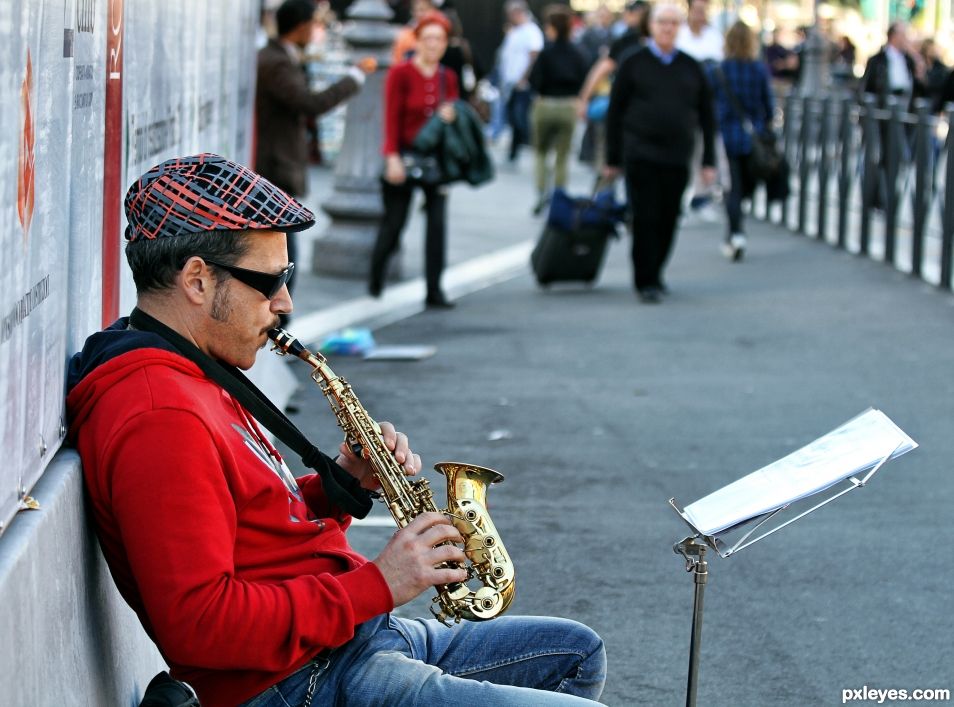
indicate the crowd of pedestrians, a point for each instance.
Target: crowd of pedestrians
{"x":634,"y":126}
{"x":655,"y":94}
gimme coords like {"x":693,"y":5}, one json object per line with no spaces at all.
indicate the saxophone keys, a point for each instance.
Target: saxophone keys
{"x":486,"y":603}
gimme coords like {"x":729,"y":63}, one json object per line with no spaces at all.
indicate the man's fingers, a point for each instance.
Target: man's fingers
{"x":449,"y":576}
{"x":441,"y":533}
{"x":425,"y":521}
{"x":401,"y":448}
{"x":412,"y":464}
{"x":397,"y":443}
{"x":447,"y":553}
{"x":388,"y":434}
{"x":433,"y":529}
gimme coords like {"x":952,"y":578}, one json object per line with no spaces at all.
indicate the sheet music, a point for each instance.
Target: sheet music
{"x":854,"y":447}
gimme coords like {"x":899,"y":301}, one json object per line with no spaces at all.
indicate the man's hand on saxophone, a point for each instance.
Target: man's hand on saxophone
{"x":361,"y":468}
{"x":411,"y":561}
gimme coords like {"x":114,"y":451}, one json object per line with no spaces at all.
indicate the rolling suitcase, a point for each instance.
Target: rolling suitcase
{"x":561,"y":255}
{"x":573,"y":243}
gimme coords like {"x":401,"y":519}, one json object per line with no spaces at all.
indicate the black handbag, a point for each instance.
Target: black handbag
{"x":422,"y":169}
{"x":765,"y":160}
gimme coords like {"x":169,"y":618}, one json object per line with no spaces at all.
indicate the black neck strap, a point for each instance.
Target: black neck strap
{"x":342,"y":489}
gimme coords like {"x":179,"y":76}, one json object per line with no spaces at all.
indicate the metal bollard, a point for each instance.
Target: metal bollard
{"x":823,"y":171}
{"x":923,"y":181}
{"x":845,"y":140}
{"x":892,"y":168}
{"x":804,"y":164}
{"x":871,"y":148}
{"x":947,"y":216}
{"x":788,"y":132}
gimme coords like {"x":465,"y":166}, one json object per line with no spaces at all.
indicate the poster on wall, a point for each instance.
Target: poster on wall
{"x":188,"y":86}
{"x":81,"y":80}
{"x":85,"y":42}
{"x":36,"y":89}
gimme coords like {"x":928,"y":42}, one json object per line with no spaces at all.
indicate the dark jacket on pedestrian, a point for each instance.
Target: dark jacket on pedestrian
{"x":559,"y":70}
{"x":283,"y":101}
{"x":875,"y":79}
{"x":459,"y":146}
{"x":934,"y":79}
{"x":946,"y":95}
{"x":655,"y":110}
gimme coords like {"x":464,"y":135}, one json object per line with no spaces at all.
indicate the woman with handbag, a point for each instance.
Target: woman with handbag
{"x":744,"y":109}
{"x":414,"y":91}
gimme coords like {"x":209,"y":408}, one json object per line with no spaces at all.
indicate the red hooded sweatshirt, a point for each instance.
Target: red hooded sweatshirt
{"x":238,"y":573}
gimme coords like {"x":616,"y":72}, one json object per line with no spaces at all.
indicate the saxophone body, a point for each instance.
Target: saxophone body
{"x":490,"y":569}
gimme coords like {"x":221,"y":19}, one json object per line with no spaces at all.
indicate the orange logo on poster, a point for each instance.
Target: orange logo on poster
{"x":26,"y":164}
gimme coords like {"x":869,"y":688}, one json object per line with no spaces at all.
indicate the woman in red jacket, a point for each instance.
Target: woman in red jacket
{"x":415,"y":90}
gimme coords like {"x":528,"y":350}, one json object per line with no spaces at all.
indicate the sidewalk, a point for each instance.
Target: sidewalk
{"x":491,"y":232}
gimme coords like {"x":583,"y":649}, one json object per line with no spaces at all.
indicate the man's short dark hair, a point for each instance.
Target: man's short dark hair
{"x":293,"y":13}
{"x":155,"y":262}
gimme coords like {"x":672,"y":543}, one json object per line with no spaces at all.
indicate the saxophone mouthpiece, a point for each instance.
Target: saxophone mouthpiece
{"x":286,"y":343}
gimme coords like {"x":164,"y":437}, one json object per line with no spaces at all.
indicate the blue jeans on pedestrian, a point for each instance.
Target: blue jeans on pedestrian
{"x":518,"y":115}
{"x":508,"y":662}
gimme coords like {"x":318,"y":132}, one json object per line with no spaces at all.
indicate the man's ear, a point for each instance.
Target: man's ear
{"x":195,"y":280}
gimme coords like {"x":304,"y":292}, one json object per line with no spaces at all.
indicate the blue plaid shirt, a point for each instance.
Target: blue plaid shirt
{"x":749,"y":81}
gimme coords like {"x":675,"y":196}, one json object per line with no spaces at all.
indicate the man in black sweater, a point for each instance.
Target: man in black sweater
{"x":660,"y":98}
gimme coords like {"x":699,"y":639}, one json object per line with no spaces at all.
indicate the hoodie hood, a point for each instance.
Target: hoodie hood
{"x":109,"y":356}
{"x":110,"y":343}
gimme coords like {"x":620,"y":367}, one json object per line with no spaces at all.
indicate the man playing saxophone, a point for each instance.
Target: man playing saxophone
{"x":239,"y":572}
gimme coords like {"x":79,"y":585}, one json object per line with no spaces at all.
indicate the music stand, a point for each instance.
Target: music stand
{"x":858,"y":448}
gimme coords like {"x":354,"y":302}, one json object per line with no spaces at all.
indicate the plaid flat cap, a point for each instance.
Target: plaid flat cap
{"x":208,"y":193}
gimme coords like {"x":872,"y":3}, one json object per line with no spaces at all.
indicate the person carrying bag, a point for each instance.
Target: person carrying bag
{"x":415,"y":91}
{"x":744,"y":109}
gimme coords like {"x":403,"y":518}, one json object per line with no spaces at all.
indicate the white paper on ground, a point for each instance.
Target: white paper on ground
{"x":400,"y":353}
{"x":854,"y":447}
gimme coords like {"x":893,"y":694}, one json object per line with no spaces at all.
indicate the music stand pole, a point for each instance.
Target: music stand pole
{"x":695,"y":554}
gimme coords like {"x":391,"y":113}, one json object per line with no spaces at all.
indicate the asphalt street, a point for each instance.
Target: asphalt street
{"x":598,"y":409}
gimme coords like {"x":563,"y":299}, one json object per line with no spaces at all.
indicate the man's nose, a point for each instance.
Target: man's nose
{"x":282,"y":302}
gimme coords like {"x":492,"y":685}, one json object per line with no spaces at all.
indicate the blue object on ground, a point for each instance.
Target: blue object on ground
{"x":355,"y":341}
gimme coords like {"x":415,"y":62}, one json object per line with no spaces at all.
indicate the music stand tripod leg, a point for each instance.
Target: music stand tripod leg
{"x":696,"y":563}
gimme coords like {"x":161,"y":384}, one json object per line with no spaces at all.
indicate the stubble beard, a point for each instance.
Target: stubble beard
{"x":221,"y":305}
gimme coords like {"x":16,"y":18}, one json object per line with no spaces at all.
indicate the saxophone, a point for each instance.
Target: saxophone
{"x":489,"y":566}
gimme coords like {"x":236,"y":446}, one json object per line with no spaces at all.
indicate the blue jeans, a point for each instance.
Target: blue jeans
{"x":741,"y":187}
{"x":510,"y":661}
{"x":518,"y":115}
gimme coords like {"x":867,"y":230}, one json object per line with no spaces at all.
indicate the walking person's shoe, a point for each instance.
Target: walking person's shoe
{"x":541,"y":204}
{"x":650,"y":295}
{"x":438,"y":301}
{"x":734,"y":247}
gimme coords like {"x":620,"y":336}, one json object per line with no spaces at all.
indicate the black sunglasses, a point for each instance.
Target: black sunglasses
{"x":267,"y":283}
